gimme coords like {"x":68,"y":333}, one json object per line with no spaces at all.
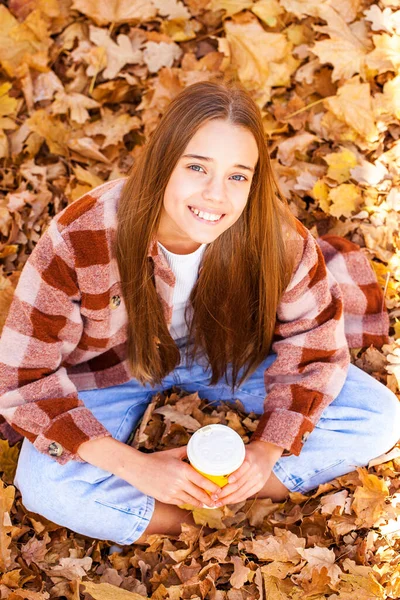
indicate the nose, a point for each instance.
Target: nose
{"x":214,"y":191}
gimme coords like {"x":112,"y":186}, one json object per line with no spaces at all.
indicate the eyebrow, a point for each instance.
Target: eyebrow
{"x":208,"y":159}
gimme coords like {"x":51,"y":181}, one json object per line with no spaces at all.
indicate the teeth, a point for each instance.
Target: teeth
{"x":206,"y":216}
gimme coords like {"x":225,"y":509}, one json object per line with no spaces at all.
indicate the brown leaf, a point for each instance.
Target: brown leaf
{"x":240,"y":574}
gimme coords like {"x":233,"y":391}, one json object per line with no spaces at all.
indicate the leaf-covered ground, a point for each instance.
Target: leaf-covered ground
{"x":82,"y":85}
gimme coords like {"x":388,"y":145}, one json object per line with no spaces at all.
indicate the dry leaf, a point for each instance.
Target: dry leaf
{"x":116,"y":11}
{"x":106,"y":591}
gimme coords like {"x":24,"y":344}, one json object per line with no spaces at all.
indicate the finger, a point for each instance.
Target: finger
{"x":249,"y":478}
{"x":240,"y":472}
{"x":200,"y":495}
{"x":203,"y":482}
{"x":242,"y":494}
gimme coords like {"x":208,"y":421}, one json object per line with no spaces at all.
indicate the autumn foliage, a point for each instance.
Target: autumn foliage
{"x":83,"y":83}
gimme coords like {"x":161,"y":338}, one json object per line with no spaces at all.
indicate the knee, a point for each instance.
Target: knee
{"x":388,"y":420}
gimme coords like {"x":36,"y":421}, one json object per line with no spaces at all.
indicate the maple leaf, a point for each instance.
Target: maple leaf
{"x":51,"y":130}
{"x":8,"y":460}
{"x":340,"y":164}
{"x":262,"y":59}
{"x":353,"y":105}
{"x":283,"y":546}
{"x":116,"y":11}
{"x":35,"y":550}
{"x":7,"y":494}
{"x":388,"y":103}
{"x":240,"y":573}
{"x":113,"y":126}
{"x":231,"y":7}
{"x":173,"y":9}
{"x":343,"y":50}
{"x":75,"y":104}
{"x":106,"y":591}
{"x":23,"y":43}
{"x":118,"y":53}
{"x":345,"y":199}
{"x":383,"y":20}
{"x":333,"y":501}
{"x":297,"y":143}
{"x":175,"y":416}
{"x":369,"y":499}
{"x":386,"y":56}
{"x":160,"y":55}
{"x":267,"y":11}
{"x":319,"y":559}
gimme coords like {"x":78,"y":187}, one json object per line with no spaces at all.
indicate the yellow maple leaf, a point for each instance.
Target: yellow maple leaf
{"x":345,"y":199}
{"x":340,"y":164}
{"x":268,"y":11}
{"x":107,"y":591}
{"x":24,"y":43}
{"x":320,"y":192}
{"x":386,"y":56}
{"x":353,"y":105}
{"x":260,"y":57}
{"x":75,"y":104}
{"x":116,"y":11}
{"x":7,"y":494}
{"x":51,"y":129}
{"x":343,"y":49}
{"x":8,"y":105}
{"x":388,"y":103}
{"x":8,"y":460}
{"x":369,"y":499}
{"x":230,"y":6}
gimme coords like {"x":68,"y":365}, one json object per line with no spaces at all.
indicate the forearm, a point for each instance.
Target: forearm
{"x":112,"y":456}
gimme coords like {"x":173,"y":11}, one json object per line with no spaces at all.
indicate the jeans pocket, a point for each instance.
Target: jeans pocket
{"x":131,"y":420}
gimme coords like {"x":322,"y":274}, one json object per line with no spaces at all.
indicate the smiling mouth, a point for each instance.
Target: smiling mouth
{"x":205,"y":217}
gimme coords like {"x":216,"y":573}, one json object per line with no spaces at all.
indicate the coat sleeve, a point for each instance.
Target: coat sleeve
{"x":43,"y":326}
{"x":312,"y":355}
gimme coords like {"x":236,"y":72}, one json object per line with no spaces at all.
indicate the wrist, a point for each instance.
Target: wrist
{"x":268,"y":449}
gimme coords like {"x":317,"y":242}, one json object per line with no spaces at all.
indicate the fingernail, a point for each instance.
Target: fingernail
{"x":214,"y":497}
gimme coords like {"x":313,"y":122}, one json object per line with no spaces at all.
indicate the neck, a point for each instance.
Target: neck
{"x":178,"y":246}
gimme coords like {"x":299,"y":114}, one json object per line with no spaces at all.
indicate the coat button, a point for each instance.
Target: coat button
{"x":115,"y":301}
{"x":305,"y":436}
{"x":55,"y":449}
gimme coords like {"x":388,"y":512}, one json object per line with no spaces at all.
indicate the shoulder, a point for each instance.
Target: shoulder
{"x":95,"y":210}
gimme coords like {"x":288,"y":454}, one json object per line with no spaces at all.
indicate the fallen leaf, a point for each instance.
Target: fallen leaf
{"x":319,"y":559}
{"x":240,"y":574}
{"x":175,"y":416}
{"x":118,"y":53}
{"x":116,"y":11}
{"x":106,"y":591}
{"x":7,"y":494}
{"x":353,"y":106}
{"x":369,"y":499}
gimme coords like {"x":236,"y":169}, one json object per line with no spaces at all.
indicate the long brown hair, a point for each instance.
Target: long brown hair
{"x":245,"y":270}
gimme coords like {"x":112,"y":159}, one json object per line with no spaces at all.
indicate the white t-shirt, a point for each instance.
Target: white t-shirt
{"x":185,"y":268}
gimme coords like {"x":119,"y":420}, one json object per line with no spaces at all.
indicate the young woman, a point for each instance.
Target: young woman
{"x":192,"y":272}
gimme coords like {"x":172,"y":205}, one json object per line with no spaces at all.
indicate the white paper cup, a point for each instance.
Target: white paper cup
{"x":216,"y":451}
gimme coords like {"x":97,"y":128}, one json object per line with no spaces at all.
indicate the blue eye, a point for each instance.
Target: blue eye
{"x":193,"y":168}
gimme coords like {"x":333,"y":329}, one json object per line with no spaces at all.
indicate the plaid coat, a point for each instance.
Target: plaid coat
{"x":66,"y":330}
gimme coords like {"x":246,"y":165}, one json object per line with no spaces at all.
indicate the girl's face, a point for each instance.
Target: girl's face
{"x":207,"y":192}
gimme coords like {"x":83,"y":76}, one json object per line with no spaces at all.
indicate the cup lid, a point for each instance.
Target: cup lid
{"x":216,"y":450}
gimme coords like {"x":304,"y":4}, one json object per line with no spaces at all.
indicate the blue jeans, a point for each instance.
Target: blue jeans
{"x":360,"y":424}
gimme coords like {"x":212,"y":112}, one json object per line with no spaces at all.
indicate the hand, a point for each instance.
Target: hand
{"x":168,"y":479}
{"x":253,"y":474}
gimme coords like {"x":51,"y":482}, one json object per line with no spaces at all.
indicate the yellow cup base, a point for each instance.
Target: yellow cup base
{"x":220,"y":480}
